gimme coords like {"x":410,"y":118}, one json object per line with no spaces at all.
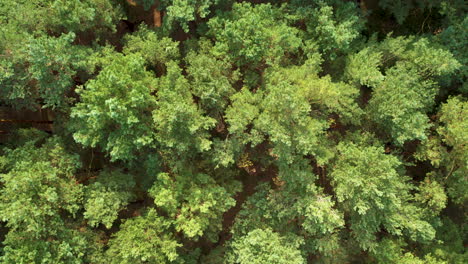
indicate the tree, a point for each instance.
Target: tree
{"x":411,"y":68}
{"x":114,"y":111}
{"x":184,"y":12}
{"x":194,"y":203}
{"x":41,"y":72}
{"x":331,"y":26}
{"x":264,"y":246}
{"x":156,"y":50}
{"x":60,"y":16}
{"x":181,"y":125}
{"x":40,"y":200}
{"x":143,"y":239}
{"x":106,"y":196}
{"x":446,"y":149}
{"x":251,"y":35}
{"x":210,"y":79}
{"x":370,"y":188}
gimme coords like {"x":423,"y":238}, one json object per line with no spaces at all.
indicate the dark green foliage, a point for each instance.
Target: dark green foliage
{"x":42,"y":71}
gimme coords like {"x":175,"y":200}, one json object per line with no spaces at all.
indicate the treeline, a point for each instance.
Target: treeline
{"x":221,"y":131}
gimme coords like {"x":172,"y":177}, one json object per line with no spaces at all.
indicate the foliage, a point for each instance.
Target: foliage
{"x":180,"y":123}
{"x":194,"y":202}
{"x":250,"y":35}
{"x":144,"y":239}
{"x":376,"y":195}
{"x":210,"y":80}
{"x":265,"y":246}
{"x":402,"y":97}
{"x":42,"y":71}
{"x":113,"y":106}
{"x":44,"y":182}
{"x":36,"y":193}
{"x":61,"y":16}
{"x":157,"y":51}
{"x":106,"y":196}
{"x":324,"y":131}
{"x":331,"y":26}
{"x":184,"y":12}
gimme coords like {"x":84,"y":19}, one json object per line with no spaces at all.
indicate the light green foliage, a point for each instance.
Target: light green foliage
{"x":297,"y":201}
{"x":243,"y":110}
{"x":454,"y":132}
{"x":369,"y":187}
{"x":285,"y":119}
{"x":210,"y":80}
{"x":292,"y":110}
{"x":156,"y":50}
{"x":53,"y":63}
{"x":265,"y":246}
{"x":420,"y":55}
{"x":362,"y":68}
{"x":114,"y":111}
{"x":432,"y":195}
{"x":143,"y":239}
{"x":251,"y":35}
{"x":39,"y":183}
{"x":195,"y":203}
{"x":331,"y":26}
{"x":181,"y":125}
{"x":106,"y":196}
{"x":185,"y":11}
{"x":299,"y":131}
{"x":392,"y":251}
{"x":448,"y":151}
{"x":78,"y":15}
{"x":61,"y":15}
{"x":71,"y":245}
{"x":400,"y":102}
{"x":324,"y":95}
{"x":38,"y":198}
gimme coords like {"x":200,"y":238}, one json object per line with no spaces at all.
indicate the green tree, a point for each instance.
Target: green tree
{"x":181,"y":125}
{"x":156,"y":50}
{"x":265,"y":246}
{"x":184,"y":12}
{"x":253,"y":34}
{"x":40,"y":200}
{"x":106,"y":196}
{"x":195,"y":203}
{"x":41,"y":72}
{"x":114,"y":112}
{"x":370,"y":188}
{"x":143,"y":239}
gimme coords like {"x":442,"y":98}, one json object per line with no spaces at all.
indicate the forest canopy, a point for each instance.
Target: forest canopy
{"x":233,"y":132}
